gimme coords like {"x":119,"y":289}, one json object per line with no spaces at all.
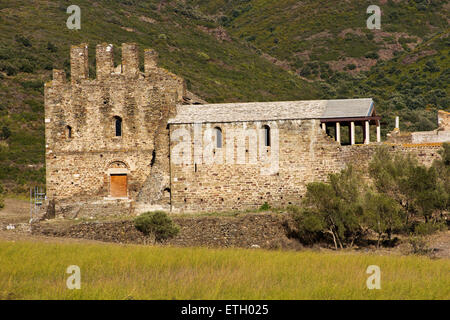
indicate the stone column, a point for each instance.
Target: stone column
{"x":324,"y":128}
{"x":338,"y":132}
{"x":366,"y":132}
{"x":352,"y":133}
{"x":397,"y":123}
{"x":378,"y":131}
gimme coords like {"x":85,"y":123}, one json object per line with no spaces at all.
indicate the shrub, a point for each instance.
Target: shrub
{"x":5,"y":133}
{"x":264,"y":207}
{"x":51,"y":47}
{"x":372,"y":55}
{"x":427,"y":228}
{"x":9,"y":69}
{"x":419,"y":245}
{"x":333,"y":208}
{"x":24,"y":41}
{"x":33,"y":84}
{"x":157,"y":224}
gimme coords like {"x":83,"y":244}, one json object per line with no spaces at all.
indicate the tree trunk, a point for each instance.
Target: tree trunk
{"x":334,"y":239}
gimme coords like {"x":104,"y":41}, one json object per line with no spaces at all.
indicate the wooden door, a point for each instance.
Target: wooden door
{"x":119,"y":185}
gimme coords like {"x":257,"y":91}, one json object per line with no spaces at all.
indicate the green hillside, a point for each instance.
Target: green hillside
{"x":34,"y":39}
{"x":404,"y":66}
{"x":238,"y":50}
{"x":317,"y":37}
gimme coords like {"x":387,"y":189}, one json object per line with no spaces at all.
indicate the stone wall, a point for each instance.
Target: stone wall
{"x":444,"y":120}
{"x":82,"y":148}
{"x":306,"y":154}
{"x":440,"y":135}
{"x":435,"y":136}
{"x":360,"y":155}
{"x":234,"y":182}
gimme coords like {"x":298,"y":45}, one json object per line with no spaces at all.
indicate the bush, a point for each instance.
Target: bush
{"x":24,"y":41}
{"x":51,"y":47}
{"x":427,"y":228}
{"x":418,"y":189}
{"x":264,"y":207}
{"x":5,"y":133}
{"x":9,"y":69}
{"x":333,"y":208}
{"x":157,"y":224}
{"x":419,"y":245}
{"x":372,"y":55}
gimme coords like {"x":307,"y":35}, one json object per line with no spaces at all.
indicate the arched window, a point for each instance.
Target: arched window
{"x":218,"y":133}
{"x":68,"y":132}
{"x":266,"y":129}
{"x":118,"y":126}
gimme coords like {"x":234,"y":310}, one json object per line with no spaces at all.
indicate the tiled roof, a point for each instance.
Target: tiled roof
{"x":348,"y":108}
{"x":265,"y":111}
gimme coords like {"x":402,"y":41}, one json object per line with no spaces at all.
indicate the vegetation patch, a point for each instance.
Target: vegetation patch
{"x":37,"y":271}
{"x":402,"y":197}
{"x":156,"y":224}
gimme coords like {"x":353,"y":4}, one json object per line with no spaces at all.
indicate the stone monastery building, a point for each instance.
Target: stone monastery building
{"x":129,"y":142}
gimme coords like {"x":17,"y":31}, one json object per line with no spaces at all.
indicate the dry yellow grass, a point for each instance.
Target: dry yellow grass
{"x":37,"y":271}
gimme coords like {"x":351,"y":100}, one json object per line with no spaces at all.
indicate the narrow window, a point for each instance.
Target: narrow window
{"x":218,"y":137}
{"x":68,"y":132}
{"x":266,"y":129}
{"x":118,"y":126}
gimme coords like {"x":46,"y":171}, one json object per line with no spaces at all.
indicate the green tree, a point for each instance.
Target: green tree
{"x":382,"y":214}
{"x":389,"y":174}
{"x":442,"y":167}
{"x":334,"y":208}
{"x":421,"y":191}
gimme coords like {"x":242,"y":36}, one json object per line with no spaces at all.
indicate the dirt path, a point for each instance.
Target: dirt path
{"x":15,"y":211}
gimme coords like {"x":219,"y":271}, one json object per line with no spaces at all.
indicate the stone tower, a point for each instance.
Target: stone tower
{"x":107,"y":138}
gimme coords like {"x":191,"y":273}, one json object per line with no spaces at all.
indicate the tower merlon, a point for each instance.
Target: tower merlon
{"x":104,"y":56}
{"x":79,"y":62}
{"x":130,"y":60}
{"x":150,"y":60}
{"x":59,"y":77}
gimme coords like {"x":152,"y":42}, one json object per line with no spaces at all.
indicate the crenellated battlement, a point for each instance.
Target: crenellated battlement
{"x":127,"y":70}
{"x":104,"y":57}
{"x":79,"y":62}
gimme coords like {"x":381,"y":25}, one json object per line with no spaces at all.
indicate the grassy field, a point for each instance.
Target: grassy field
{"x":37,"y":271}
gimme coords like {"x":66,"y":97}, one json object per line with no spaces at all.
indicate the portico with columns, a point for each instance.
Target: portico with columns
{"x":351,"y":114}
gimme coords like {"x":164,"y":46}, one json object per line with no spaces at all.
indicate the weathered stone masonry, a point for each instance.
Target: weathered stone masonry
{"x":306,"y":154}
{"x":127,"y":142}
{"x":82,"y":149}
